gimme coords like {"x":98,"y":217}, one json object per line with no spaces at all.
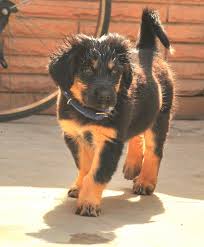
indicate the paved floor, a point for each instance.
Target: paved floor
{"x":36,"y":170}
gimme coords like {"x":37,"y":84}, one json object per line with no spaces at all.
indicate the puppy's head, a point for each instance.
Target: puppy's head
{"x":93,"y":70}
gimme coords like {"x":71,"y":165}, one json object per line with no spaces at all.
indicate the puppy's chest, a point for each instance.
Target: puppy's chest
{"x":89,"y":133}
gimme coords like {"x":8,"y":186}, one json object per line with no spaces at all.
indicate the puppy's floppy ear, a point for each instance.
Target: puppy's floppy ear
{"x":61,"y":69}
{"x":121,"y":47}
{"x":63,"y":64}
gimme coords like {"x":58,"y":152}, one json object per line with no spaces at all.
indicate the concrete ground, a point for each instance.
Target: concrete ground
{"x":37,"y":169}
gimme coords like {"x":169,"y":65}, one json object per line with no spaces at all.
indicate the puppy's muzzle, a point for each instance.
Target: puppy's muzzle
{"x":105,"y":97}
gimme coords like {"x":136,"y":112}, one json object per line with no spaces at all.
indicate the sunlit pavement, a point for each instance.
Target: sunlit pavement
{"x":37,"y":169}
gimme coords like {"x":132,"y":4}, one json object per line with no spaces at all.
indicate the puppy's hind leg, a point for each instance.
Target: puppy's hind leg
{"x":155,"y":138}
{"x":133,"y":163}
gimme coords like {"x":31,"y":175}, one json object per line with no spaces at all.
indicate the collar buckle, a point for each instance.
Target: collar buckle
{"x":68,"y":101}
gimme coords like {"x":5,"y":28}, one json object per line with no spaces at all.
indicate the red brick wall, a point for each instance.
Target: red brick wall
{"x":45,"y":22}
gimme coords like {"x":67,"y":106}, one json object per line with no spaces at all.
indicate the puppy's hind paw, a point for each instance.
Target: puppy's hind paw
{"x":142,"y":187}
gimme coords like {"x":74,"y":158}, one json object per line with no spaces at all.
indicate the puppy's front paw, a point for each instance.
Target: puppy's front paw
{"x":87,"y":209}
{"x":73,"y":192}
{"x":143,"y":187}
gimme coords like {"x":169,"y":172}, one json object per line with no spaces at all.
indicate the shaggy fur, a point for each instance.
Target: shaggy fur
{"x":135,"y":87}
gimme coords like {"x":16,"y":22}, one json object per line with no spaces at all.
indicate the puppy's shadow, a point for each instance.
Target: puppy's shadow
{"x":125,"y":209}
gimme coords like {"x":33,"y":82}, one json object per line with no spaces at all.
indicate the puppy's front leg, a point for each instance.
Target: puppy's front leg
{"x":104,"y":164}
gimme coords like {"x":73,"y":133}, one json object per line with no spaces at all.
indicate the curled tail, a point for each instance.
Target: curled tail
{"x":151,"y":27}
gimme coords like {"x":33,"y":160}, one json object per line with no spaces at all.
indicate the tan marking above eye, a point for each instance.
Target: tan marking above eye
{"x":111,"y":64}
{"x":95,"y":63}
{"x":77,"y":89}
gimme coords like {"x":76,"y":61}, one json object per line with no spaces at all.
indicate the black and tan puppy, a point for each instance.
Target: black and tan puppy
{"x":111,"y":93}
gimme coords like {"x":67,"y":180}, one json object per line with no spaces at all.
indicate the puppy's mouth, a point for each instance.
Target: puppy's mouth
{"x":106,"y":109}
{"x":102,"y":109}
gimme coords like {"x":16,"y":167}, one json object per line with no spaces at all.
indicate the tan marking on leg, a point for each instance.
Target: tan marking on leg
{"x":145,"y":183}
{"x":77,"y":89}
{"x":134,"y":157}
{"x":85,"y":156}
{"x":91,"y":192}
{"x":90,"y":198}
{"x":135,"y":150}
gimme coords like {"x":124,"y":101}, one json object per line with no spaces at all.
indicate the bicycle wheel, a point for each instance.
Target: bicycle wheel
{"x":27,"y":47}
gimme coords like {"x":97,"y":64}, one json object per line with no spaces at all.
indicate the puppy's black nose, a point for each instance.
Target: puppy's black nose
{"x":103,"y":95}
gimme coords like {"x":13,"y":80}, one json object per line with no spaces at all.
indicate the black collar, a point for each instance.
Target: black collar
{"x":86,"y":112}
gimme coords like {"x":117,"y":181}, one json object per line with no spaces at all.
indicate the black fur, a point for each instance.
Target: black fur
{"x":160,"y":129}
{"x":73,"y":147}
{"x":145,"y":96}
{"x":151,"y":28}
{"x":88,"y":137}
{"x":63,"y":66}
{"x":110,"y":156}
{"x":75,"y":60}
